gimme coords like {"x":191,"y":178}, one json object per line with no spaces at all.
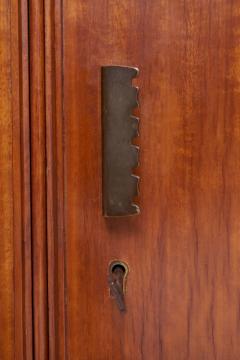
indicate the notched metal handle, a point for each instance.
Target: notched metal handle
{"x":119,"y":126}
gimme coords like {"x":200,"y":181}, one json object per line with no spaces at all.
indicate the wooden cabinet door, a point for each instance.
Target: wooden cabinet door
{"x":183,"y":250}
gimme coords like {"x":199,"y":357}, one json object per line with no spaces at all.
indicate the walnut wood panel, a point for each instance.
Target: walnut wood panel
{"x":183,"y":251}
{"x":15,"y":224}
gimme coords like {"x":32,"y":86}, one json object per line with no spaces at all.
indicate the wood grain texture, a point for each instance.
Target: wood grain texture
{"x":183,"y":251}
{"x":55,"y":179}
{"x":15,"y":255}
{"x":38,"y":177}
{"x":6,"y":203}
{"x":51,"y":189}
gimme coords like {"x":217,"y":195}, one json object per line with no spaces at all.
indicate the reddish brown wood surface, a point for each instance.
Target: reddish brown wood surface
{"x":54,"y":133}
{"x":15,"y":254}
{"x":183,"y":251}
{"x":38,"y":177}
{"x":55,"y":179}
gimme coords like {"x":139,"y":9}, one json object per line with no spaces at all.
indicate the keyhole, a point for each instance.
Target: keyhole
{"x":118,"y":267}
{"x":118,"y":271}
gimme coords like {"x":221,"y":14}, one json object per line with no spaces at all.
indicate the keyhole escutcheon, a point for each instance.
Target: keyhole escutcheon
{"x":118,"y":271}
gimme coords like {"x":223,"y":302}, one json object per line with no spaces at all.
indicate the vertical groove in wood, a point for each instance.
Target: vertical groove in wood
{"x":51,"y":190}
{"x":55,"y":186}
{"x":15,"y":255}
{"x":7,"y":290}
{"x":61,"y":276}
{"x":38,"y":178}
{"x":26,"y":198}
{"x":21,"y":181}
{"x":18,"y":262}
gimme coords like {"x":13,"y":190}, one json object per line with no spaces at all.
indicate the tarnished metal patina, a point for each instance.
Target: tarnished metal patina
{"x":120,"y":156}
